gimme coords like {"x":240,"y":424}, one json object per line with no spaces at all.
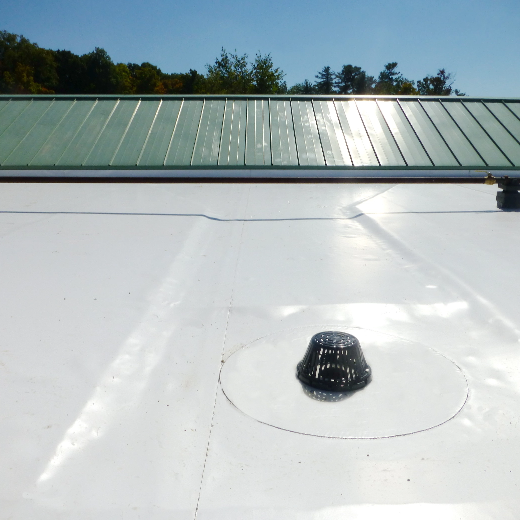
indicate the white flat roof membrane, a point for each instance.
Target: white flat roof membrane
{"x":121,"y":303}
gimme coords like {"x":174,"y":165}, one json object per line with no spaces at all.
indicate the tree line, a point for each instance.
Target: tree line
{"x":26,"y":68}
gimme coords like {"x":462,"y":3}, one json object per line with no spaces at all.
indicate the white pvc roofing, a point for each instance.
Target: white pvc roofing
{"x":120,"y":304}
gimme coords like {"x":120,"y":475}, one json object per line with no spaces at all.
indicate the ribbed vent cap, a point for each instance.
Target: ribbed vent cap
{"x":334,"y":361}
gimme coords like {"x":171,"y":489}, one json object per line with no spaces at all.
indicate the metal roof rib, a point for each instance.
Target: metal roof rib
{"x":434,"y":135}
{"x":496,"y":133}
{"x":326,"y":133}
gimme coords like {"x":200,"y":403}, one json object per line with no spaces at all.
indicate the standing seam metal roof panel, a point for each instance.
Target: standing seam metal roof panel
{"x":87,"y":135}
{"x":501,"y":137}
{"x":308,"y":132}
{"x":184,"y":136}
{"x":437,"y":149}
{"x":207,"y":146}
{"x":258,"y":142}
{"x":283,"y":143}
{"x":135,"y":137}
{"x":160,"y":133}
{"x":38,"y":135}
{"x":333,"y":141}
{"x":515,"y":108}
{"x":308,"y":143}
{"x":233,"y":141}
{"x":474,"y":133}
{"x":359,"y":145}
{"x":452,"y":134}
{"x":21,"y":126}
{"x":62,"y":135}
{"x":115,"y":129}
{"x":382,"y":139}
{"x":506,"y":118}
{"x":11,"y":112}
{"x":404,"y":134}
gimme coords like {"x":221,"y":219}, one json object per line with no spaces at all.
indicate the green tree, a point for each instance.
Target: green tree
{"x":439,"y":85}
{"x":100,"y":74}
{"x":353,"y":80}
{"x":146,"y":78}
{"x":391,"y":81}
{"x":302,"y":88}
{"x":265,"y":77}
{"x":71,"y":71}
{"x":325,"y":83}
{"x":25,"y":67}
{"x":229,"y":75}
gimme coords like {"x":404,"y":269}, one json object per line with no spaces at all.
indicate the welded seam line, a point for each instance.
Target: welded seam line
{"x":221,"y":358}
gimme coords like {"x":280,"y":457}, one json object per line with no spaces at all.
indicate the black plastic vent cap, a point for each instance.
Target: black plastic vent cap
{"x":334,"y":361}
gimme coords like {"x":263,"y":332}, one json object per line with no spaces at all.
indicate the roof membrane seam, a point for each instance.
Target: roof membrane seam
{"x":124,"y":133}
{"x":439,"y":133}
{"x":415,"y":132}
{"x":463,"y":133}
{"x":101,"y":132}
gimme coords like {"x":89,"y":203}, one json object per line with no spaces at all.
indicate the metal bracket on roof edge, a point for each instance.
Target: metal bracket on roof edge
{"x":508,"y":198}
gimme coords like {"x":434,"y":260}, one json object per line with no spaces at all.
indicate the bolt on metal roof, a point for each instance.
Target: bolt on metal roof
{"x":226,"y":132}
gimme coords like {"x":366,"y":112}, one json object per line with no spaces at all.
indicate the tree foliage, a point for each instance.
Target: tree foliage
{"x":325,"y":83}
{"x":353,"y":80}
{"x":439,"y":85}
{"x":26,"y":68}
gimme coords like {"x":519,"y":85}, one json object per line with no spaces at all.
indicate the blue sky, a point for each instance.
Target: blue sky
{"x":477,"y":40}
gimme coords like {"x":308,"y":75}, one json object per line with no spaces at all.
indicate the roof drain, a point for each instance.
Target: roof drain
{"x":334,"y":362}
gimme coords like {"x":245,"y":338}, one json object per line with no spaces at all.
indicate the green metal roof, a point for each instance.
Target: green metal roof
{"x":226,"y":132}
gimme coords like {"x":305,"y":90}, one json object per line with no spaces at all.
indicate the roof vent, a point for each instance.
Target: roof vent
{"x":334,"y":361}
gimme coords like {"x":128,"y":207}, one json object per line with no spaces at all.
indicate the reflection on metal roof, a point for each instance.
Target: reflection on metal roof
{"x":171,"y":132}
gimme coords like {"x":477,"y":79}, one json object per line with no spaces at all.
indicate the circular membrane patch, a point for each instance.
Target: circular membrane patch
{"x":413,"y":387}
